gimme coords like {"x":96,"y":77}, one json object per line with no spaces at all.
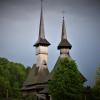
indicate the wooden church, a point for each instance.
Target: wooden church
{"x":39,"y":75}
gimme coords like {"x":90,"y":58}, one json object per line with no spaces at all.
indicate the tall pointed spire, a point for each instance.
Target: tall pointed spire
{"x":41,"y":28}
{"x":64,"y":36}
{"x":64,"y":42}
{"x":41,"y":38}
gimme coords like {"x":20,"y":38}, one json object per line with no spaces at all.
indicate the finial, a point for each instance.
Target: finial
{"x":41,"y":3}
{"x":63,"y":13}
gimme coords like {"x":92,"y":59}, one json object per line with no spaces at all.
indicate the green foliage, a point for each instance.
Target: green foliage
{"x":96,"y":88}
{"x":66,"y":81}
{"x":96,"y":92}
{"x":12,"y":76}
{"x":98,"y":76}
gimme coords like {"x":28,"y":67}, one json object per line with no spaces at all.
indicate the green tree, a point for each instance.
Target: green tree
{"x":96,"y":92}
{"x":96,"y":88}
{"x":98,"y":76}
{"x":12,"y":76}
{"x":66,"y":82}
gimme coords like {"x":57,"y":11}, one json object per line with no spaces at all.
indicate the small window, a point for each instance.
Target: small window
{"x":44,"y":62}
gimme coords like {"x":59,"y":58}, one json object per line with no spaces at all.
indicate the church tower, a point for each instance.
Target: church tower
{"x":39,"y":73}
{"x":64,"y":46}
{"x":41,"y":44}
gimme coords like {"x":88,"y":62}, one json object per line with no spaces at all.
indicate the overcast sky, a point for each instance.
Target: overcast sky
{"x":19,"y":26}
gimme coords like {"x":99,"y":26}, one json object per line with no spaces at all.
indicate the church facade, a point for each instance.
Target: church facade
{"x":36,"y":82}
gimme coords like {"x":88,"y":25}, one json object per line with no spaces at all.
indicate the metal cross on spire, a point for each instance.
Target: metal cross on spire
{"x":41,"y":3}
{"x":63,"y":13}
{"x":64,"y":42}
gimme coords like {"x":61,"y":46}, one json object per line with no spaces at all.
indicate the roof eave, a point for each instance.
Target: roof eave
{"x":42,"y":42}
{"x":61,"y":47}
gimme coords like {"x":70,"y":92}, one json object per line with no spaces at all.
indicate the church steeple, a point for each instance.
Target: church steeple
{"x":41,"y":28}
{"x":63,"y":30}
{"x":41,"y":44}
{"x":64,"y":45}
{"x":41,"y":38}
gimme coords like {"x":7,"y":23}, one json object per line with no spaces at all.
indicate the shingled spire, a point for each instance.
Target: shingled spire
{"x":41,"y":28}
{"x":64,"y":36}
{"x":41,"y":38}
{"x":64,"y":42}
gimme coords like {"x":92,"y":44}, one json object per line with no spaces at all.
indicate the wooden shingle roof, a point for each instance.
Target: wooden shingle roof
{"x":41,"y":39}
{"x":37,"y":76}
{"x":64,"y":42}
{"x":42,"y":42}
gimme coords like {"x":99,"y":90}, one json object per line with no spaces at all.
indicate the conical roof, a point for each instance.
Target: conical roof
{"x":41,"y":39}
{"x":64,"y":42}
